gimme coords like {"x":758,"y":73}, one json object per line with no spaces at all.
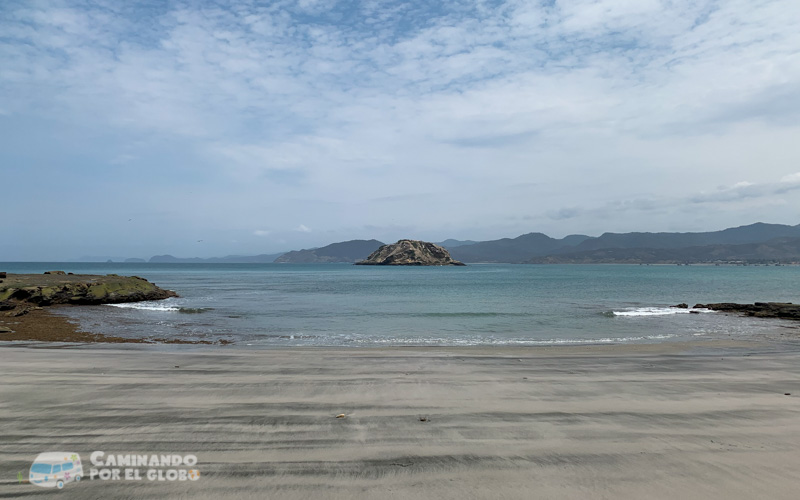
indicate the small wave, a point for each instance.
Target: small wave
{"x":356,"y":340}
{"x":472,"y":314}
{"x":655,"y":311}
{"x":144,"y":306}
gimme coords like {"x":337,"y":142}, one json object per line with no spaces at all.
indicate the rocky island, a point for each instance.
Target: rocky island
{"x":410,"y":253}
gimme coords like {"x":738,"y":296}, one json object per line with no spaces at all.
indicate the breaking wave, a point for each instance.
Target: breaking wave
{"x":150,"y":306}
{"x":656,"y":311}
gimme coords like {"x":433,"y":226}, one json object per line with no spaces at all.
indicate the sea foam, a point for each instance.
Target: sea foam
{"x":150,"y":306}
{"x":657,"y":311}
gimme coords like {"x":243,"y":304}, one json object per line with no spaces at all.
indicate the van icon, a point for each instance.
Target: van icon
{"x":55,"y":469}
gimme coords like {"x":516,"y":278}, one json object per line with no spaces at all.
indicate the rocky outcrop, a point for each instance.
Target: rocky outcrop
{"x":25,"y":291}
{"x":784,"y":310}
{"x":410,"y":253}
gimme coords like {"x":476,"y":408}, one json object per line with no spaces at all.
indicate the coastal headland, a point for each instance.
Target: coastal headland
{"x":58,"y":287}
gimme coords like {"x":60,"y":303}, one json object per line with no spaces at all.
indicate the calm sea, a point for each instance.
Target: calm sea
{"x":345,"y":305}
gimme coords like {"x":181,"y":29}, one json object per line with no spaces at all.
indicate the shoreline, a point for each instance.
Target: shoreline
{"x":417,"y":422}
{"x":45,"y":326}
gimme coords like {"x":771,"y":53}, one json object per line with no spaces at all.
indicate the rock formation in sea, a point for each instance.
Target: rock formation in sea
{"x":410,"y":253}
{"x":19,"y":293}
{"x":784,"y":310}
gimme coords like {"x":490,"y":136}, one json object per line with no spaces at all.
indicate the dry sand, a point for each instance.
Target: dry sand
{"x":684,"y":421}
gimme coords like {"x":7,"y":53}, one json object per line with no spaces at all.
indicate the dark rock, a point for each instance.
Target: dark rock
{"x":694,"y":312}
{"x":56,"y":272}
{"x":3,"y":274}
{"x":410,"y":253}
{"x":783,"y":310}
{"x":682,"y":305}
{"x":38,"y":290}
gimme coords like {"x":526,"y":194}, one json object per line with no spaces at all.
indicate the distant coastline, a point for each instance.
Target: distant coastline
{"x":754,"y":244}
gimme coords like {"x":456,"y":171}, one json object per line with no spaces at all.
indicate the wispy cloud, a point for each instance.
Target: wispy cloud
{"x":288,"y":107}
{"x":755,"y":194}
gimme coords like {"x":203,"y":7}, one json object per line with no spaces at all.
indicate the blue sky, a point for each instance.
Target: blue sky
{"x":258,"y":127}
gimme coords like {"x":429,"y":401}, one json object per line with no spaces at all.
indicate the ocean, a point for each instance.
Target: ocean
{"x":273,"y":305}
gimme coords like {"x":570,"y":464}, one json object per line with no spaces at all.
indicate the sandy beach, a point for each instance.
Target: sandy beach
{"x":706,"y":420}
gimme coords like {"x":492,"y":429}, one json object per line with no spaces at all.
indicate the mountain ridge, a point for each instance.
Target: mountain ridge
{"x":345,"y":251}
{"x":532,"y":247}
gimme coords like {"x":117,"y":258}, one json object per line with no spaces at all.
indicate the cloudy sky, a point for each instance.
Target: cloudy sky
{"x":214,"y":128}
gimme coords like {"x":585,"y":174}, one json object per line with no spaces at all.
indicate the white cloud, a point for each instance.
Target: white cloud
{"x":311,"y":110}
{"x":302,"y":229}
{"x":261,"y":232}
{"x":791,"y":178}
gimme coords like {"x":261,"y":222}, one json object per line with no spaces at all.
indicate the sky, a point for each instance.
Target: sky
{"x":212,"y":128}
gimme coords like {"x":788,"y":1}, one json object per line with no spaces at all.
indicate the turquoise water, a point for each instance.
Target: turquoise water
{"x":339,"y":304}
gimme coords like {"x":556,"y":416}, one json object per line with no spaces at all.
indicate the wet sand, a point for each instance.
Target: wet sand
{"x":670,"y":421}
{"x":46,"y":325}
{"x":42,"y":325}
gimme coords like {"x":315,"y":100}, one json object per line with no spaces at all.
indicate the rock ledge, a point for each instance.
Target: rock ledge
{"x":784,"y":310}
{"x":19,"y":293}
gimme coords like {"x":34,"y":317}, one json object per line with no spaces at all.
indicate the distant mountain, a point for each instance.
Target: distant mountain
{"x":100,"y":258}
{"x":171,"y":259}
{"x":532,"y":247}
{"x":451,"y":243}
{"x":754,"y":233}
{"x":779,"y":250}
{"x":230,"y":259}
{"x":346,"y":251}
{"x":514,"y":250}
